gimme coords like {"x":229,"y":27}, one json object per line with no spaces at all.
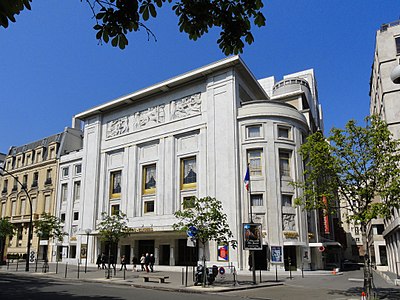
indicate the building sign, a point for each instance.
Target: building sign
{"x":252,"y":237}
{"x":83,"y":250}
{"x":223,"y":252}
{"x":276,"y":254}
{"x":326,"y":216}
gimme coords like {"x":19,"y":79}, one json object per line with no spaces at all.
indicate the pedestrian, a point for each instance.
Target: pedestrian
{"x":147,"y":262}
{"x":152,"y":261}
{"x":103,"y":261}
{"x":98,"y":261}
{"x":123,"y":263}
{"x":250,"y":262}
{"x":134,"y":263}
{"x":142,"y":260}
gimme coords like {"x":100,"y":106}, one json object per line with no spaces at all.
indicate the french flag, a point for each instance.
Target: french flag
{"x":247,"y":179}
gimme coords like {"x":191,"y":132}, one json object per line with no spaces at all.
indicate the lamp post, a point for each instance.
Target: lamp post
{"x":28,"y":250}
{"x":88,"y":231}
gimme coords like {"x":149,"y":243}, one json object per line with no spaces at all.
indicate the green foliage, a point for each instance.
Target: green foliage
{"x":115,"y":18}
{"x":206,"y":214}
{"x":358,"y":165}
{"x":113,"y":228}
{"x":49,"y":226}
{"x":6,"y":228}
{"x":10,"y":8}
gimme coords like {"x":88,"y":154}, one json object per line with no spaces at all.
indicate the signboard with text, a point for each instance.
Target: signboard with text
{"x":252,"y":238}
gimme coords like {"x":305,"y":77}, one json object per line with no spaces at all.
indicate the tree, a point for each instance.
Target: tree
{"x":112,"y":229}
{"x":358,"y":165}
{"x":6,"y":229}
{"x":49,"y":226}
{"x":115,"y":18}
{"x":205,"y":220}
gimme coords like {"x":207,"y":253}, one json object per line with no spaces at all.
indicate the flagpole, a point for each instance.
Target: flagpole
{"x":253,"y":260}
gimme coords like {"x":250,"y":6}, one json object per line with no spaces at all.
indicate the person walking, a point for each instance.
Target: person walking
{"x":147,"y":262}
{"x":134,"y":263}
{"x":123,"y":263}
{"x":142,"y":261}
{"x":98,"y":262}
{"x":103,"y":261}
{"x":152,"y":261}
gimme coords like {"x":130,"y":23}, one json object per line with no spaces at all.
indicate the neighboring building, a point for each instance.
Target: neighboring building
{"x":384,"y":102}
{"x":69,"y":205}
{"x":35,"y":167}
{"x":147,"y":153}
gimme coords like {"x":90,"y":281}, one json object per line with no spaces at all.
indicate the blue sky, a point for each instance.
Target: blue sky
{"x":52,"y":68}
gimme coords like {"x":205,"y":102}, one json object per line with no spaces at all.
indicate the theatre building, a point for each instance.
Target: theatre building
{"x":148,"y":152}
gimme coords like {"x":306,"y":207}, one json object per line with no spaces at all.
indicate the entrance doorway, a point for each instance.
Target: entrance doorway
{"x":260,"y":257}
{"x":187,"y":256}
{"x":165,"y":252}
{"x":289,"y":254}
{"x":145,"y":246}
{"x":126,"y":250}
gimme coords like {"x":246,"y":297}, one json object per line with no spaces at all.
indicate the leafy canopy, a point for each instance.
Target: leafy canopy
{"x":6,"y":228}
{"x":113,"y":228}
{"x":115,"y":18}
{"x":206,"y":215}
{"x":49,"y":226}
{"x":358,"y":165}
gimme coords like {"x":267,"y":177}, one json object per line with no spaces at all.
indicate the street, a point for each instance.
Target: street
{"x":345,"y":286}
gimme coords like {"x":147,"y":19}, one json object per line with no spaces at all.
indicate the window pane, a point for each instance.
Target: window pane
{"x":284,"y":163}
{"x":283,"y":132}
{"x":64,"y":189}
{"x":287,"y":200}
{"x":254,"y":157}
{"x":253,"y":131}
{"x":256,"y":200}
{"x":77,"y":191}
{"x":150,"y":177}
{"x":397,"y":45}
{"x":78,"y":169}
{"x":149,"y":206}
{"x":189,"y":171}
{"x":115,"y":183}
{"x":188,"y":202}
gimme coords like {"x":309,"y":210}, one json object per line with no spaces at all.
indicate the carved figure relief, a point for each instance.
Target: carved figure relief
{"x":117,"y":127}
{"x":151,"y":116}
{"x":288,"y":222}
{"x":187,"y":106}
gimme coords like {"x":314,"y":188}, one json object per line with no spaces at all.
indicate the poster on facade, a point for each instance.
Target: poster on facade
{"x":306,"y":255}
{"x":83,"y":250}
{"x":276,"y":254}
{"x":252,"y":238}
{"x":223,"y":252}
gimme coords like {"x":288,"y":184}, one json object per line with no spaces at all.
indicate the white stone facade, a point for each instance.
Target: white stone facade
{"x":139,"y":151}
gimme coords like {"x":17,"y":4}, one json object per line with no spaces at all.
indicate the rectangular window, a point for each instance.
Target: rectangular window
{"x":357,"y":230}
{"x":287,"y":200}
{"x":114,"y":209}
{"x":3,"y":209}
{"x":253,"y":131}
{"x":148,"y":206}
{"x":254,"y":159}
{"x":65,"y":171}
{"x":64,"y":192}
{"x":48,"y":177}
{"x":397,"y":40}
{"x":47,"y":204}
{"x":284,"y":163}
{"x":149,"y":179}
{"x":78,"y":169}
{"x":188,"y":173}
{"x":72,"y":252}
{"x":25,"y":181}
{"x":283,"y":132}
{"x":256,"y":200}
{"x":77,"y":191}
{"x":62,"y":217}
{"x":188,"y":202}
{"x":13,"y":208}
{"x":23,"y":207}
{"x":35,"y":179}
{"x":5,"y":186}
{"x":15,"y":186}
{"x":115,"y":184}
{"x":76,"y":215}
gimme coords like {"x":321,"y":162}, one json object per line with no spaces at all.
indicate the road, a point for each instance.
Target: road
{"x":347,"y":286}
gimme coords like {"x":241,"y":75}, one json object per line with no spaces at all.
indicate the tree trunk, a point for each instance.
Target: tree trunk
{"x":204,"y":265}
{"x":367,"y":264}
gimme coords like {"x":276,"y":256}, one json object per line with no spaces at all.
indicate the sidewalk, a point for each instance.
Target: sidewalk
{"x":178,"y":279}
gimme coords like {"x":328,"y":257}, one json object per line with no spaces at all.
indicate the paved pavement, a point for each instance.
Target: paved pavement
{"x":179,"y":278}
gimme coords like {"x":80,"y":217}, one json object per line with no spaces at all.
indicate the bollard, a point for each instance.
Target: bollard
{"x":17,"y":265}
{"x":78,"y":270}
{"x":124,"y":274}
{"x":57,"y":267}
{"x":276,"y":273}
{"x":186,"y":279}
{"x":302,"y":270}
{"x":8,"y":264}
{"x":260,"y":276}
{"x":66,"y":269}
{"x":36,"y":264}
{"x":182,"y":276}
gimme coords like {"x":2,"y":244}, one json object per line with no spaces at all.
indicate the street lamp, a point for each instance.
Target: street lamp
{"x":28,"y":250}
{"x":88,"y":231}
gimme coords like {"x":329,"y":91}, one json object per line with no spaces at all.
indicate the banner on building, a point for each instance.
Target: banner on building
{"x":83,"y":250}
{"x":252,"y":237}
{"x":276,"y":254}
{"x":223,"y":252}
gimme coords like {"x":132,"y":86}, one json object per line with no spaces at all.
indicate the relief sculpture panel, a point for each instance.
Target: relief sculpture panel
{"x":117,"y":127}
{"x":187,"y":106}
